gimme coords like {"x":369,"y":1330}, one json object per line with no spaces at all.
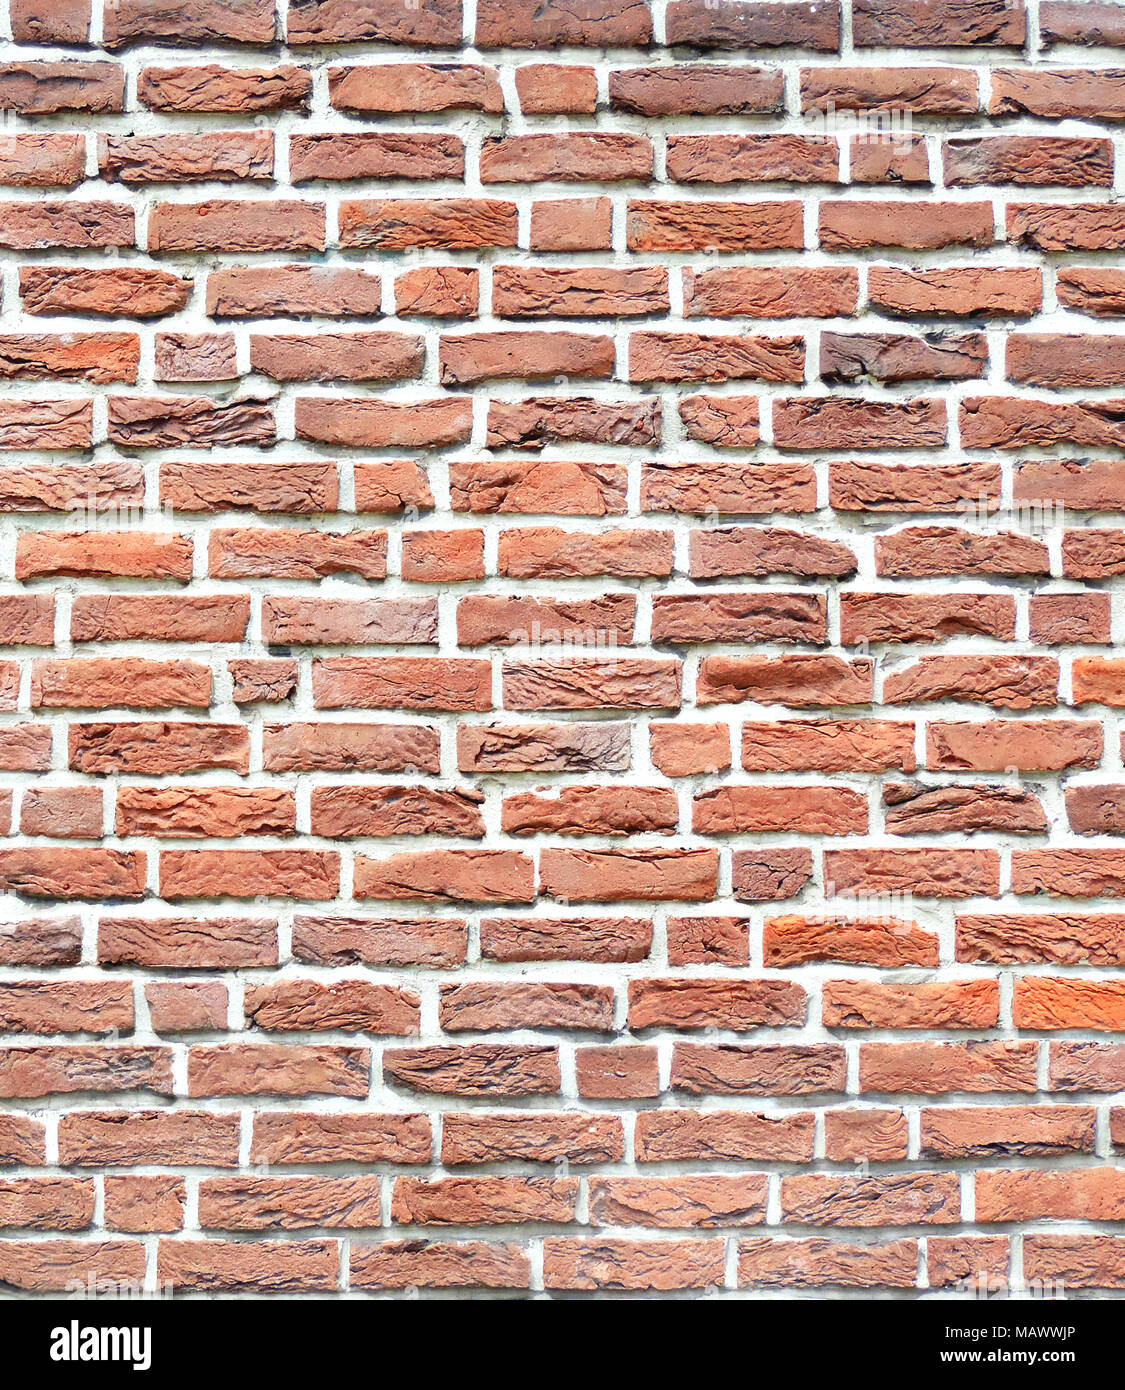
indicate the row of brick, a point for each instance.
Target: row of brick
{"x":458,"y":556}
{"x":455,"y":684}
{"x":355,"y":810}
{"x":466,"y":359}
{"x":799,"y":423}
{"x":977,"y":1265}
{"x":43,"y":160}
{"x":1042,"y":490}
{"x":613,"y":619}
{"x":612,"y":23}
{"x":591,"y":625}
{"x":657,"y":874}
{"x":652,"y":225}
{"x":46,"y":88}
{"x":158,"y":747}
{"x":675,"y":1203}
{"x":604,"y":24}
{"x":186,"y":1138}
{"x":581,"y":291}
{"x":498,"y":1070}
{"x":1011,"y":937}
{"x":1039,"y":1003}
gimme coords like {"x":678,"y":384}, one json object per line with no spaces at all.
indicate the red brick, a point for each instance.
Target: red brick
{"x":571,"y":224}
{"x":550,"y":89}
{"x":143,"y":1204}
{"x":213,"y":87}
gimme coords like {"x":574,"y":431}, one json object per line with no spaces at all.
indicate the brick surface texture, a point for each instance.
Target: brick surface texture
{"x":560,"y":690}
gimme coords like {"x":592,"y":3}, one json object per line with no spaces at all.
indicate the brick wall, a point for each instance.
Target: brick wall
{"x":558,"y":614}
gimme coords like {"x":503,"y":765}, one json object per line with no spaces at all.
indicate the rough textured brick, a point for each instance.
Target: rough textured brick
{"x":470,"y":1264}
{"x":816,"y":1262}
{"x":930,"y":91}
{"x":51,"y":21}
{"x":921,"y":24}
{"x":144,"y":1204}
{"x":214,"y":87}
{"x":207,"y":21}
{"x":736,"y":24}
